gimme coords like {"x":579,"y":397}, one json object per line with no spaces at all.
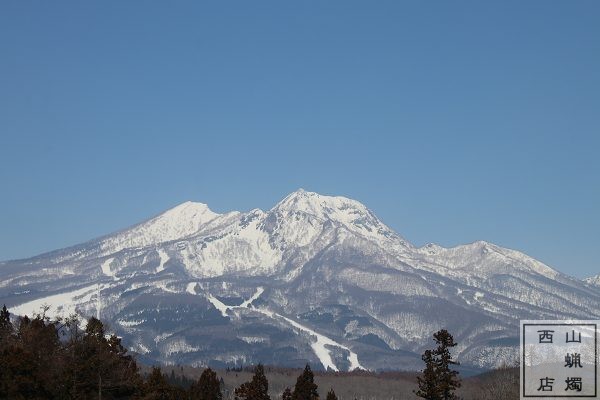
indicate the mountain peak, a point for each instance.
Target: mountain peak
{"x":176,"y":223}
{"x":317,"y":204}
{"x":181,"y":220}
{"x":185,"y":218}
{"x":190,"y":207}
{"x":348,"y":212}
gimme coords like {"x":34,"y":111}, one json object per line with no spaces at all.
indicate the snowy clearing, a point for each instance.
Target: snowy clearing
{"x":223,"y":308}
{"x":163,"y":259}
{"x":322,"y":353}
{"x":106,"y":268}
{"x":255,"y":296}
{"x":319,"y":346}
{"x":64,"y":303}
{"x":219,"y":305}
{"x":191,"y":288}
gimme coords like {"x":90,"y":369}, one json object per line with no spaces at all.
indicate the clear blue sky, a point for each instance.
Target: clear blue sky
{"x":453,"y":121}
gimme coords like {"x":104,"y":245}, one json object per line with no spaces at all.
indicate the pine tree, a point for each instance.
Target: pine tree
{"x":18,"y":375}
{"x":287,"y":394}
{"x":95,"y":329}
{"x":5,"y":324}
{"x":104,"y":367}
{"x":305,"y":388}
{"x":39,"y":341}
{"x":207,"y":387}
{"x":331,"y":395}
{"x":37,"y":363}
{"x":448,"y":378}
{"x":157,"y":387}
{"x":97,"y":366}
{"x":438,"y":380}
{"x":428,"y":386}
{"x":256,"y":389}
{"x":6,"y":327}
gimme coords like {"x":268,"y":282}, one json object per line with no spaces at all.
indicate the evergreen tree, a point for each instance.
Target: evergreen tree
{"x":208,"y":387}
{"x":428,"y":386}
{"x":26,"y":353}
{"x":37,"y":363}
{"x":95,"y":329}
{"x":287,"y":394}
{"x":6,"y":328}
{"x":438,"y":380}
{"x":41,"y":348}
{"x":99,"y":367}
{"x":306,"y":388}
{"x":331,"y":395}
{"x":157,"y":387}
{"x":256,"y":389}
{"x":448,"y":377}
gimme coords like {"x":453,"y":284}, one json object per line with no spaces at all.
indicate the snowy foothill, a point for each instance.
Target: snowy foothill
{"x":61,"y":304}
{"x":319,"y":345}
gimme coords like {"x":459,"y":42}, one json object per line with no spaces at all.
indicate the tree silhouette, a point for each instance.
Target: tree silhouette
{"x":156,"y":387}
{"x":428,"y":386}
{"x":438,"y":380}
{"x":287,"y":394}
{"x":208,"y":387}
{"x":331,"y":395}
{"x":44,"y":359}
{"x":6,"y":328}
{"x":306,"y":388}
{"x":256,"y":389}
{"x":37,"y":346}
{"x":99,"y":366}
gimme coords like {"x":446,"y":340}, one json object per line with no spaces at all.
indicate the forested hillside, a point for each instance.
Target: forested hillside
{"x":41,"y":358}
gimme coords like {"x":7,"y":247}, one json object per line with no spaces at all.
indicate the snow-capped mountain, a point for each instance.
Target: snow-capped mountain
{"x":316,"y":278}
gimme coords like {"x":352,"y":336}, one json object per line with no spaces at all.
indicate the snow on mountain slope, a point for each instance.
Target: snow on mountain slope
{"x":258,"y":241}
{"x":593,"y":280}
{"x":321,"y":345}
{"x":176,"y":223}
{"x":335,"y":286}
{"x":480,"y":258}
{"x":106,"y":270}
{"x":61,"y":304}
{"x":350,"y":213}
{"x":164,"y":257}
{"x":238,"y":247}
